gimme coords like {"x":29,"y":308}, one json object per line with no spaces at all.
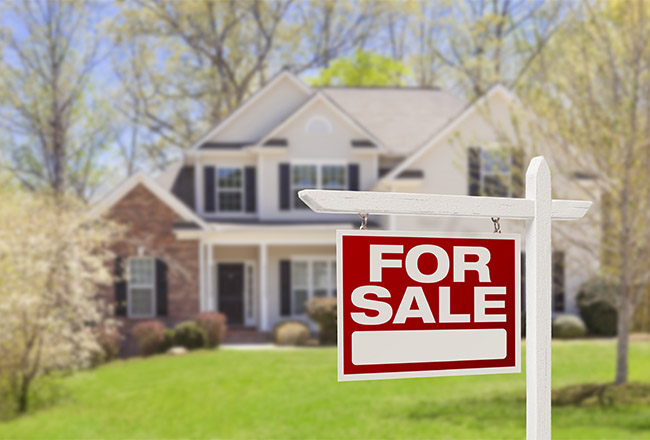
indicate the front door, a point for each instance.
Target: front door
{"x":230,"y":288}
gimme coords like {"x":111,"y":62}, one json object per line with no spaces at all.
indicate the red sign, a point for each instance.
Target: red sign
{"x":427,"y":304}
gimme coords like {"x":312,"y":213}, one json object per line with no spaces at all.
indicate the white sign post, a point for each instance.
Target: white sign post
{"x":538,"y":210}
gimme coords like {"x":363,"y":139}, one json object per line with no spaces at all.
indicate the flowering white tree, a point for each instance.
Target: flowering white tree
{"x":53,"y":258}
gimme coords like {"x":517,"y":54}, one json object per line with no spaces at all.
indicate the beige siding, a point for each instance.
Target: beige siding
{"x":445,"y":172}
{"x":265,"y":113}
{"x":307,"y":147}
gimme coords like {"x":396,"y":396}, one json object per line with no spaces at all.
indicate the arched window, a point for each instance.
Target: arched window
{"x":318,"y":124}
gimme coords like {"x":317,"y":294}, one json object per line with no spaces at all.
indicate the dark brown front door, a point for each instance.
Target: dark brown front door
{"x":230,"y":288}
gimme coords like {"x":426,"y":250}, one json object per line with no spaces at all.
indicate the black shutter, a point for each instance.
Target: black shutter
{"x":120,"y":287}
{"x":285,"y":186}
{"x":285,"y":287}
{"x":353,"y":177}
{"x":209,"y":204}
{"x":474,"y":170}
{"x":558,"y":281}
{"x":161,"y":288}
{"x":517,"y":172}
{"x":251,"y":189}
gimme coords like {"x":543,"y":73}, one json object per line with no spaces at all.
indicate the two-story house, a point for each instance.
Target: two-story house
{"x":224,"y":229}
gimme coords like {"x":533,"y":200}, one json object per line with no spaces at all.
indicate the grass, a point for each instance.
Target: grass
{"x":294,"y":394}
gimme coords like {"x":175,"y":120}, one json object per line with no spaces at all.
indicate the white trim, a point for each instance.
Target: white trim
{"x":152,"y":286}
{"x":212,"y":300}
{"x":202,"y":301}
{"x":446,"y":131}
{"x":263,"y":292}
{"x":319,"y":96}
{"x":232,"y":116}
{"x":432,"y":373}
{"x":289,"y":241}
{"x":165,"y":196}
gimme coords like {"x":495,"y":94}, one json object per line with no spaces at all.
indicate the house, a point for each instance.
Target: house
{"x":224,"y":229}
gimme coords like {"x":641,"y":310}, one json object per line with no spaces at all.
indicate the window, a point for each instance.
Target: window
{"x":495,"y":173}
{"x":308,"y":176}
{"x":142,"y":287}
{"x":309,"y":279}
{"x":230,"y":189}
{"x":333,"y":177}
{"x":318,"y":124}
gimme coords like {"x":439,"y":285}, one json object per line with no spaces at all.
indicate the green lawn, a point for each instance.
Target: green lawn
{"x":294,"y":394}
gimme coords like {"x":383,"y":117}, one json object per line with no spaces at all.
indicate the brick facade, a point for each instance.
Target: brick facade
{"x":149,"y":227}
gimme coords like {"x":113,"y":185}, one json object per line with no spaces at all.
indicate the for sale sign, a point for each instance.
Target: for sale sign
{"x":427,"y":304}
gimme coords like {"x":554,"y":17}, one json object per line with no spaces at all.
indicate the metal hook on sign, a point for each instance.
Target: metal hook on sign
{"x":364,"y":222}
{"x":497,"y":225}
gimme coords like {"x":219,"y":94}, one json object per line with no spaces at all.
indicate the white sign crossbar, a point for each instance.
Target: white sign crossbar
{"x":389,"y":203}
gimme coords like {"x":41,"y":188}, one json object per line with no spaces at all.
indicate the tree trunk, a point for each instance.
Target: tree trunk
{"x":623,"y":342}
{"x":23,"y":394}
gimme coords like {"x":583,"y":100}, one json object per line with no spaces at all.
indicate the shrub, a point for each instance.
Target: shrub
{"x":150,"y":336}
{"x":168,"y":340}
{"x":600,"y":317}
{"x":213,"y":325}
{"x":108,"y":339}
{"x":291,"y":333}
{"x":189,"y":335}
{"x":323,"y":311}
{"x":568,"y":326}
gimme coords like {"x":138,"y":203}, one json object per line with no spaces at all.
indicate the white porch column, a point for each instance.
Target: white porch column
{"x":211,"y":300}
{"x":264,"y":302}
{"x":202,"y":303}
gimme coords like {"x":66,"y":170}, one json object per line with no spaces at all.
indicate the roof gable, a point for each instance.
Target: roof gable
{"x":257,"y":115}
{"x":450,"y":128}
{"x":162,"y":194}
{"x":365,"y":138}
{"x":401,"y":118}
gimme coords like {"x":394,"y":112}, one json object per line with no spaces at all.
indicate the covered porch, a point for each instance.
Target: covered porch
{"x":258,"y":277}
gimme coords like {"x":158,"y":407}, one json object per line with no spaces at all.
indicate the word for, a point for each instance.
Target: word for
{"x":383,"y":311}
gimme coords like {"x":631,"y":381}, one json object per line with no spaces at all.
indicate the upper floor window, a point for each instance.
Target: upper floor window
{"x":495,"y":172}
{"x":230,"y":189}
{"x":141,"y":287}
{"x":308,"y":176}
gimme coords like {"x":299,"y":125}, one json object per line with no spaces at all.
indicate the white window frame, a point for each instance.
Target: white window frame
{"x":319,"y":164}
{"x":132,"y":285}
{"x":483,"y":173}
{"x":241,"y":191}
{"x":310,"y":260}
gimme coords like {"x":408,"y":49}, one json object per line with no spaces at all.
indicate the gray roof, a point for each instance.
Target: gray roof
{"x":401,"y":118}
